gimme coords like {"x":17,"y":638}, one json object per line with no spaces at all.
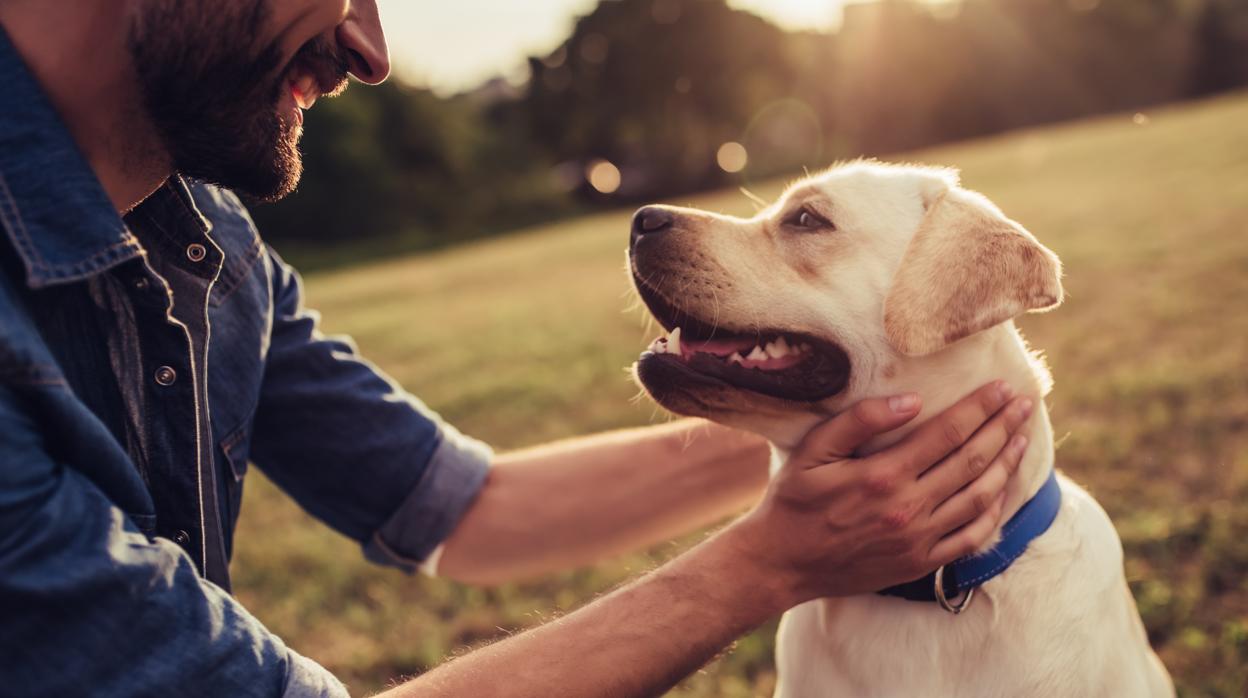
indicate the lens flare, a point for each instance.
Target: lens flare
{"x":732,"y":157}
{"x":603,"y":176}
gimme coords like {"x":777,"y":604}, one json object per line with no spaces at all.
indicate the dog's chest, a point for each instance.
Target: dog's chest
{"x":1058,"y":622}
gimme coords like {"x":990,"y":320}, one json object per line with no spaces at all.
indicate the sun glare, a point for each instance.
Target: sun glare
{"x":822,"y":15}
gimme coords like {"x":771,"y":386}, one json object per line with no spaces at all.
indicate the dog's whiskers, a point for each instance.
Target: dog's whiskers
{"x":758,"y":201}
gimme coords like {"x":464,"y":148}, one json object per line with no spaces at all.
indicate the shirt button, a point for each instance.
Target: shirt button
{"x":196,"y":252}
{"x":182,"y":538}
{"x":141,"y":283}
{"x":166,"y":376}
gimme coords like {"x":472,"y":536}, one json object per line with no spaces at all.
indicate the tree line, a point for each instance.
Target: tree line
{"x":650,"y":91}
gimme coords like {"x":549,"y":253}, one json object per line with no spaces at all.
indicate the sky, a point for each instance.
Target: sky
{"x":451,"y":45}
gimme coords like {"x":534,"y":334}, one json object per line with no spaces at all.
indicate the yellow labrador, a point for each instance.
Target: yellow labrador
{"x":870,"y":280}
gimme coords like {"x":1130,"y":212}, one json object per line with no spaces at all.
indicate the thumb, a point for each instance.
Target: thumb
{"x":838,"y":438}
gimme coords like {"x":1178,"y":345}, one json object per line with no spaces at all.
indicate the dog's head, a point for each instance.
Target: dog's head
{"x":795,"y":310}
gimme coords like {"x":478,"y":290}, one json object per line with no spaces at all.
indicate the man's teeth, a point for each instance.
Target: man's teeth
{"x":304,"y":90}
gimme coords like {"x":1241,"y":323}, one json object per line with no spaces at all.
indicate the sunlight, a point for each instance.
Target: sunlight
{"x":822,"y":15}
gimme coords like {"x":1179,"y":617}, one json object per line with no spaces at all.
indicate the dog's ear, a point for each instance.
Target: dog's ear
{"x":967,"y":268}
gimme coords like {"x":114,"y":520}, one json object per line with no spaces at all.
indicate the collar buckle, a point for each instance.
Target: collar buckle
{"x":954,"y":607}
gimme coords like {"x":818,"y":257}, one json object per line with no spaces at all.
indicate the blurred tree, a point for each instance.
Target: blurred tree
{"x":658,"y":86}
{"x":1222,"y":36}
{"x":404,"y":166}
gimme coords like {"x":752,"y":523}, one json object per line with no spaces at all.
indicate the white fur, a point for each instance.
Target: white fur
{"x":1061,"y":620}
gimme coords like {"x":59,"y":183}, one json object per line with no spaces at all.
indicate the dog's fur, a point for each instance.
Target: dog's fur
{"x":918,"y":283}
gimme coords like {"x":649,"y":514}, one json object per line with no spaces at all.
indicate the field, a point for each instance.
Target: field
{"x":525,"y":338}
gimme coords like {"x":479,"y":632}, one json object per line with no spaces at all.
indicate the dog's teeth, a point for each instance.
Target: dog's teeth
{"x":804,"y":348}
{"x":782,"y":345}
{"x":673,"y":341}
{"x":757,"y":354}
{"x":777,"y":350}
{"x":736,"y":358}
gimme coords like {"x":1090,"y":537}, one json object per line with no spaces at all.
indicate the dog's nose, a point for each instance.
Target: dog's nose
{"x":650,"y":220}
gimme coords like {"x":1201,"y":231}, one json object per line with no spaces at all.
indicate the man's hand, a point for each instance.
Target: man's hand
{"x":835,"y":525}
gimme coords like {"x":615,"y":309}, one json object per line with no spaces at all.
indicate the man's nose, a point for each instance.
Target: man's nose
{"x":651,"y":220}
{"x":361,"y":36}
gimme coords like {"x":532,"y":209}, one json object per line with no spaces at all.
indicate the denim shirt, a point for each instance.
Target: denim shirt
{"x":144,"y":362}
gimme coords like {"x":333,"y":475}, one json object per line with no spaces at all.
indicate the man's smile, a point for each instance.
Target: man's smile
{"x":304,"y":89}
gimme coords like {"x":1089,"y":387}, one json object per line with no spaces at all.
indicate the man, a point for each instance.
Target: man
{"x":151,"y":346}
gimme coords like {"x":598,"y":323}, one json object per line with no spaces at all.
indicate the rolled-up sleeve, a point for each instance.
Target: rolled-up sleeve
{"x":351,"y":446}
{"x":91,"y":606}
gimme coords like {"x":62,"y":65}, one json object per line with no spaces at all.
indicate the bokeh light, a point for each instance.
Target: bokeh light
{"x":786,"y":134}
{"x":603,"y":176}
{"x":732,"y":157}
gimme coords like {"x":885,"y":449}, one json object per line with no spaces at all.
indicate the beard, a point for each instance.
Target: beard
{"x":213,"y":92}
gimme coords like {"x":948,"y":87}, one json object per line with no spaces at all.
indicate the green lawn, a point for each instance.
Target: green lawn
{"x":526,"y":338}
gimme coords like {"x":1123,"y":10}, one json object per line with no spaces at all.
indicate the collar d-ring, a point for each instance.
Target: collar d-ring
{"x":945,"y":603}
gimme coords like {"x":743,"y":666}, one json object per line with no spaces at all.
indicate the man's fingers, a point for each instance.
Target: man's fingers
{"x":947,"y":431}
{"x":969,"y":538}
{"x":977,"y":498}
{"x":837,"y":438}
{"x":973,"y":459}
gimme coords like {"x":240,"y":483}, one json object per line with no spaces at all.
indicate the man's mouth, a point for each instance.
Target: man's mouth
{"x":305,"y":90}
{"x":318,"y":69}
{"x":783,"y":364}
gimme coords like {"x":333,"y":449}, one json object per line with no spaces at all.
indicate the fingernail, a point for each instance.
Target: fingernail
{"x":1004,"y":390}
{"x":1025,"y":407}
{"x":903,"y":404}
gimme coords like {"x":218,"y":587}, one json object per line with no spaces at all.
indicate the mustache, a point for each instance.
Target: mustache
{"x":326,"y":62}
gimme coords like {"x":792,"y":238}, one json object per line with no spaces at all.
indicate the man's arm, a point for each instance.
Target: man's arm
{"x":828,"y":526}
{"x":575,"y":502}
{"x":350,"y":446}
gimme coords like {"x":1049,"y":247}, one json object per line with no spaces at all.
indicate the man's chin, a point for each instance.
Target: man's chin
{"x":275,"y":188}
{"x":267,"y":179}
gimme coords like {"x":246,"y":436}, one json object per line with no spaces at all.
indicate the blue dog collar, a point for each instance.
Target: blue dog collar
{"x":965,"y":575}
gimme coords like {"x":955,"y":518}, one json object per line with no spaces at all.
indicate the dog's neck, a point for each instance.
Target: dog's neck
{"x":949,"y":375}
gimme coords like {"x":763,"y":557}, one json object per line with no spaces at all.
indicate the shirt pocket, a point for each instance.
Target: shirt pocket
{"x":236,"y":446}
{"x":234,"y":449}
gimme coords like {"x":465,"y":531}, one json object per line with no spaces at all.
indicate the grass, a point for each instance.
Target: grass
{"x":525,"y":338}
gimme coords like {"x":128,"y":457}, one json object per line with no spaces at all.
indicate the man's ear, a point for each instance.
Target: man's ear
{"x":967,"y":268}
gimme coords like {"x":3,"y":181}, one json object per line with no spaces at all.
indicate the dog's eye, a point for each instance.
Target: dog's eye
{"x":807,"y":219}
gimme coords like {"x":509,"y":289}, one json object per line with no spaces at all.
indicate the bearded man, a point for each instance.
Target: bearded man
{"x":152,"y":345}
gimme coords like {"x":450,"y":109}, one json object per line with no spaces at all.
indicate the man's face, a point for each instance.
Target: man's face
{"x":224,"y":82}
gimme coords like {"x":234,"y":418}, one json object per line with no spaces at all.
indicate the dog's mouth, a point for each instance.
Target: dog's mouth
{"x":789,"y":365}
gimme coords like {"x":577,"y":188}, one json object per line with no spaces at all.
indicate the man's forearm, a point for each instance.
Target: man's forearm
{"x":575,"y":502}
{"x":637,"y":641}
{"x":825,"y":528}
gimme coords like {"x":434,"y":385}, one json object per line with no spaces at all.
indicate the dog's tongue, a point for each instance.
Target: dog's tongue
{"x":720,"y":347}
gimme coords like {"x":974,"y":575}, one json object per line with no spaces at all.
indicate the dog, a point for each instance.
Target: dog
{"x":873,"y":279}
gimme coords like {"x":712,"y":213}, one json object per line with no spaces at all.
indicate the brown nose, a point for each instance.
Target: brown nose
{"x":650,"y":220}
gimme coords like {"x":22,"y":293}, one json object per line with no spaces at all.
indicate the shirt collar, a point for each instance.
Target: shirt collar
{"x":53,"y":208}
